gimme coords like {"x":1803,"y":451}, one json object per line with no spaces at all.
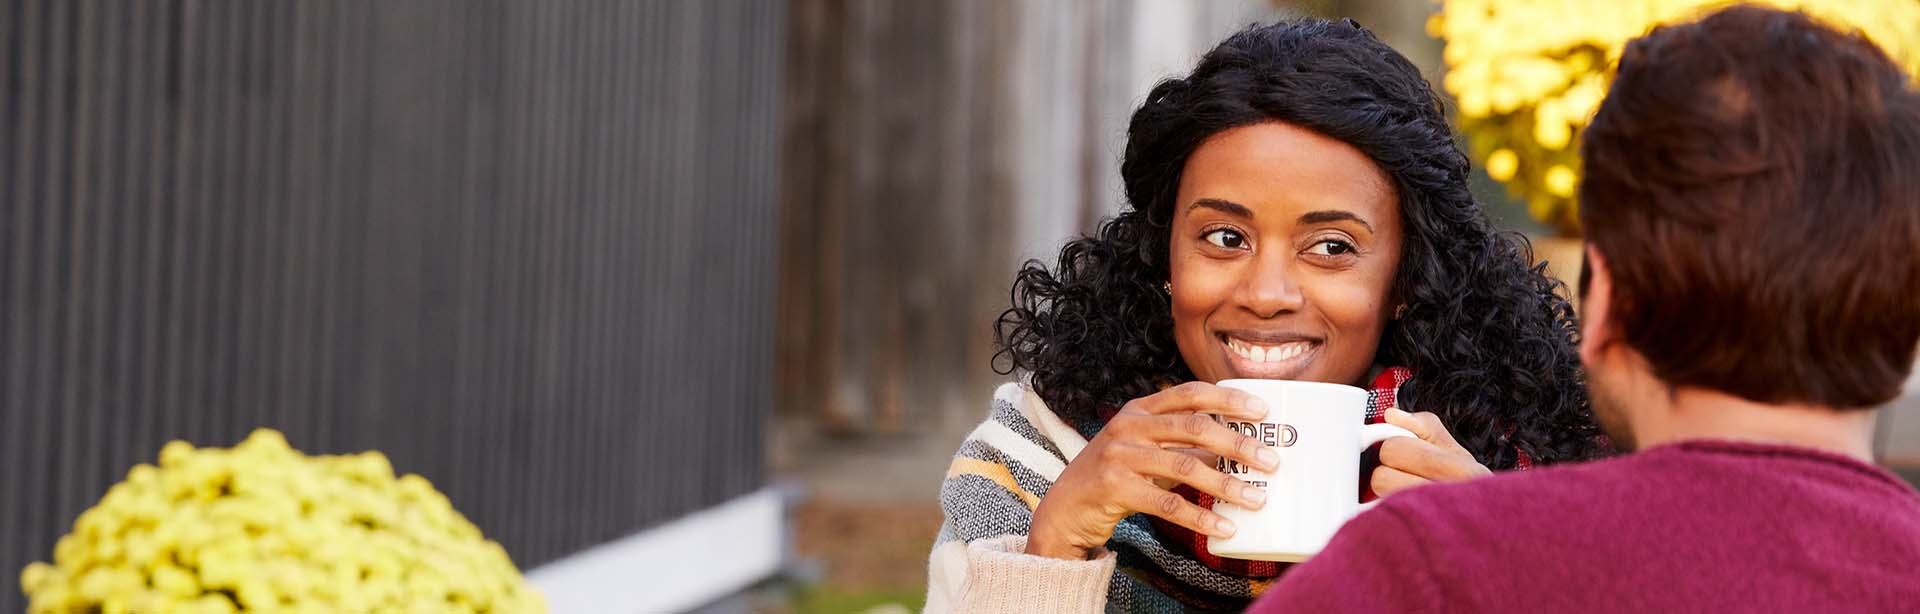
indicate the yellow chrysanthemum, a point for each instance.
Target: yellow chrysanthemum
{"x":1561,"y":181}
{"x":262,"y":527}
{"x":1529,"y":74}
{"x":1502,"y":164}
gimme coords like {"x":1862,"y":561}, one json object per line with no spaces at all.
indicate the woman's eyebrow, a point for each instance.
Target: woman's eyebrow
{"x":1224,"y":206}
{"x":1333,"y":215}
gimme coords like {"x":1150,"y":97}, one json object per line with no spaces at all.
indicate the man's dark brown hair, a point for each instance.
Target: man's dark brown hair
{"x":1753,"y":181}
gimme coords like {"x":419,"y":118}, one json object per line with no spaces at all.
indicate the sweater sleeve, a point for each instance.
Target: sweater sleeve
{"x":989,"y":494}
{"x":1374,"y":564}
{"x":997,"y":575}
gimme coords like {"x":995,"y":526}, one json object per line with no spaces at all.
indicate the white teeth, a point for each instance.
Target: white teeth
{"x":1261,"y":353}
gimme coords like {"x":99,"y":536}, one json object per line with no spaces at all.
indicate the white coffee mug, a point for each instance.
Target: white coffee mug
{"x":1319,"y":431}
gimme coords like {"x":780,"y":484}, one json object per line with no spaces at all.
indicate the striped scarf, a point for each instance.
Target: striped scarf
{"x":1010,"y":461}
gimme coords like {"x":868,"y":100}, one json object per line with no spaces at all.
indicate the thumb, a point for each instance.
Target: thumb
{"x":1424,"y":425}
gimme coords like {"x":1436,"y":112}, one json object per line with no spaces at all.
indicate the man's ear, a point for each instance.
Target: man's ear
{"x":1596,"y":308}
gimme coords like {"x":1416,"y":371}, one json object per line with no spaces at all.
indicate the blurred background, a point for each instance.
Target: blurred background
{"x":685,"y":303}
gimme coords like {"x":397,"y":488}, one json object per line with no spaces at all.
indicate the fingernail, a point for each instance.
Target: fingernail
{"x":1224,"y":527}
{"x":1268,"y":457}
{"x":1257,"y":405}
{"x":1254,"y":495}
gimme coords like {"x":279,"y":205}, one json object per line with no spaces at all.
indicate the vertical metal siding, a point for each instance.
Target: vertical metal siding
{"x":526,"y":249}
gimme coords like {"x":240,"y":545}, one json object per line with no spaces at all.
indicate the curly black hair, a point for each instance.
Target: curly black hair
{"x":1489,"y":338}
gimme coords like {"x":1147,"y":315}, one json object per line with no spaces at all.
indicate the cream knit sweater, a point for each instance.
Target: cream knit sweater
{"x":995,"y":574}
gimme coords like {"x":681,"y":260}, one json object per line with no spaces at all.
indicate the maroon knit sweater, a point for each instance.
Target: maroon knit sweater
{"x":1701,"y":526}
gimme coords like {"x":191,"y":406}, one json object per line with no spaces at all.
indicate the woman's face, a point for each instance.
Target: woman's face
{"x":1284,"y":249}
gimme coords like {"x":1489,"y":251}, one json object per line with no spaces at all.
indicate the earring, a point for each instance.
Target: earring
{"x":1167,"y":287}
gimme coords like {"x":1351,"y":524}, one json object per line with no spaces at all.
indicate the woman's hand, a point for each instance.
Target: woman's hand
{"x":1434,"y":457}
{"x":1154,"y":442}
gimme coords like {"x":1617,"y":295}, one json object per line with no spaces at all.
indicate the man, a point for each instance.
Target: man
{"x":1752,"y":293}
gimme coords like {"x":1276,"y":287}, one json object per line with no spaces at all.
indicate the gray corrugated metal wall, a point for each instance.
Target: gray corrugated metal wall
{"x":526,"y":249}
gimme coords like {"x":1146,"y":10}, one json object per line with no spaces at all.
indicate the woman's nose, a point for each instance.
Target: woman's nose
{"x":1270,"y":288}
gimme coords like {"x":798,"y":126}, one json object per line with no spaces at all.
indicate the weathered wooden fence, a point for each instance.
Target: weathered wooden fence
{"x":527,"y":249}
{"x":932,"y":146}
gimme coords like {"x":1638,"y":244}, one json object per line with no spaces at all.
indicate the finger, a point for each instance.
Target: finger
{"x":1206,"y":458}
{"x":1425,"y":425}
{"x":1427,"y":460}
{"x":1189,"y":469}
{"x":1209,"y":458}
{"x":1201,"y":431}
{"x":1144,"y":498}
{"x":1387,"y":480}
{"x":1203,"y":398}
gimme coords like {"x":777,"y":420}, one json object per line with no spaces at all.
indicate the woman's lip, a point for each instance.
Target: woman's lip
{"x":1246,"y":360}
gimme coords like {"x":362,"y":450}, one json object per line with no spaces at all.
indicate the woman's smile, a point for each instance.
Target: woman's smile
{"x":1267,"y":355}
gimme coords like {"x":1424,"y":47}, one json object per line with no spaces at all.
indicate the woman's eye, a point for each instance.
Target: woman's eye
{"x":1331,"y":247}
{"x":1226,"y":238}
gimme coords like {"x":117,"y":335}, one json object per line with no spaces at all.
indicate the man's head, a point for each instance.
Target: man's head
{"x":1752,"y":209}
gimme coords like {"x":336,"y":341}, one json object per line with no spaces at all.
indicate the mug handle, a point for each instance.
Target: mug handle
{"x":1376,"y":433}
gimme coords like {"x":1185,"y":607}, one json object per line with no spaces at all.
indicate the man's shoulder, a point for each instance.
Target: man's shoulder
{"x":1517,"y":504}
{"x":1567,"y":480}
{"x":1463,"y":543}
{"x":1661,"y":482}
{"x":1689,"y":519}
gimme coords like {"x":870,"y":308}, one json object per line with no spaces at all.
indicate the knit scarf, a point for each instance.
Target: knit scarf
{"x":1010,"y":461}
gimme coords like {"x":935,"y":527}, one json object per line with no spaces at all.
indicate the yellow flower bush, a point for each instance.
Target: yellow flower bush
{"x":1528,"y":74}
{"x":264,"y":528}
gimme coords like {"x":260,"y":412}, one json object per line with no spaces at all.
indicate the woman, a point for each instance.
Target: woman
{"x":1297,"y":210}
